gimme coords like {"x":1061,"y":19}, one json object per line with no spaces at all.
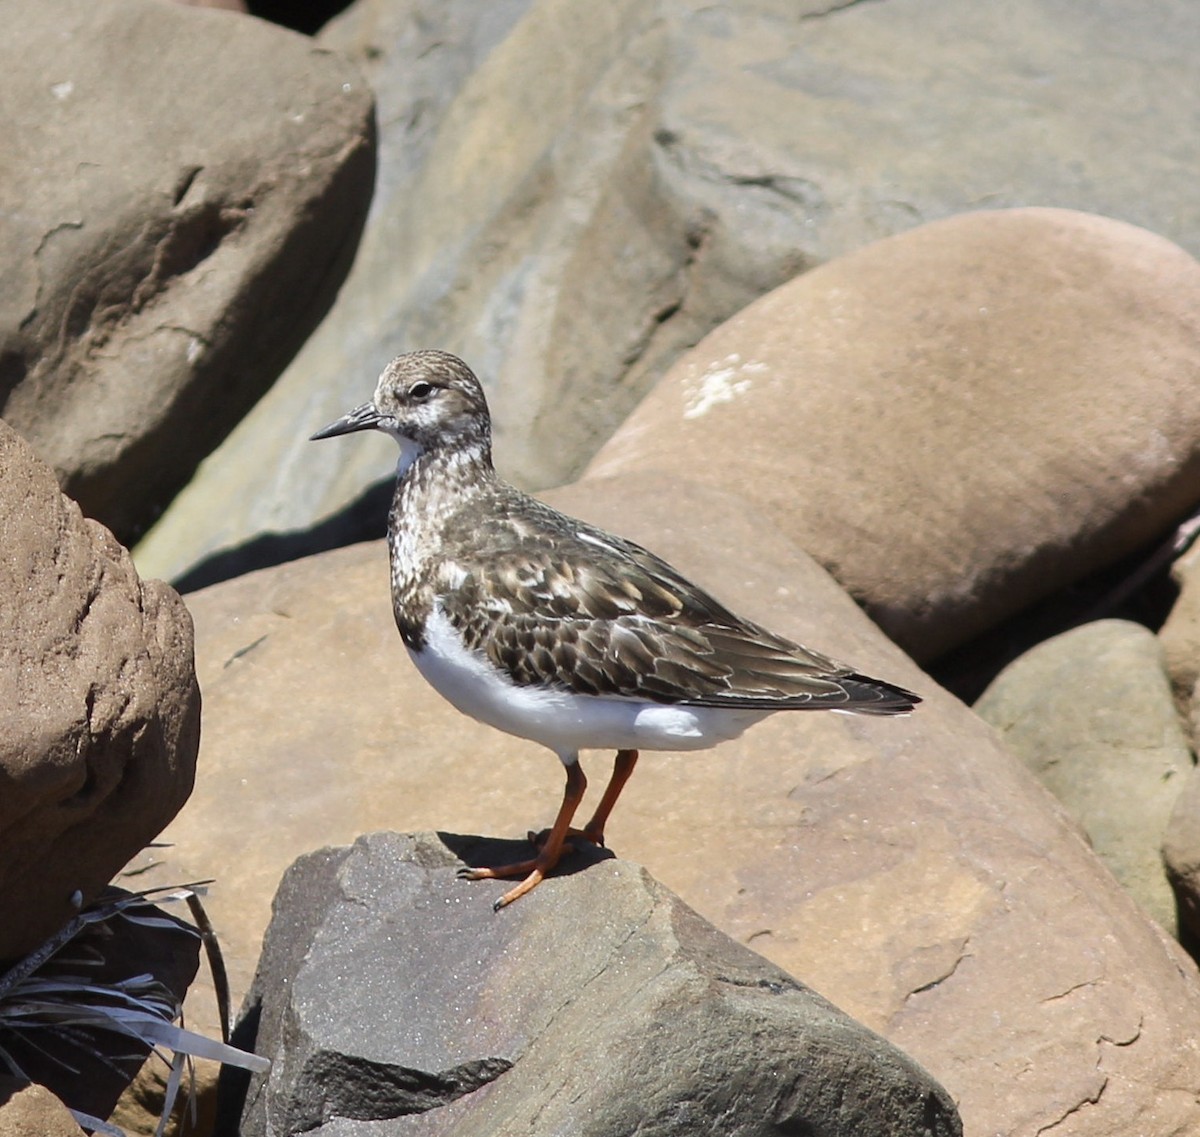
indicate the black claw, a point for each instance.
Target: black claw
{"x":498,"y":904}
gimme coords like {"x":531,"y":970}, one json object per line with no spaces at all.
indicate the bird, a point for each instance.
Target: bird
{"x":556,"y":631}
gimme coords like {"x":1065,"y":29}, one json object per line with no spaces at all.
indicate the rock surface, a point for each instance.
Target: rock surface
{"x":909,"y":869}
{"x":571,"y":195}
{"x":33,"y":1111}
{"x":1181,"y":857}
{"x":101,"y":709}
{"x":388,"y":993}
{"x":1090,"y":712}
{"x":182,"y":195}
{"x":945,"y":419}
{"x":1180,"y":636}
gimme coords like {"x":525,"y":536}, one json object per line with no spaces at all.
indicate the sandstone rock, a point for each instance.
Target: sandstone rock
{"x":571,"y":195}
{"x":909,"y":869}
{"x":101,"y":709}
{"x":182,"y":197}
{"x":33,"y":1111}
{"x":227,"y":5}
{"x":1181,"y":856}
{"x":1090,"y":713}
{"x":605,"y":1006}
{"x":1180,"y":635}
{"x":956,"y":421}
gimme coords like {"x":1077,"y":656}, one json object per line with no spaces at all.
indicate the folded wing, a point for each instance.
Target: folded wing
{"x":598,"y":615}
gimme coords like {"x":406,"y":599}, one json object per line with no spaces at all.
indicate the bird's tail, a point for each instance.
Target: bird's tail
{"x":875,"y":696}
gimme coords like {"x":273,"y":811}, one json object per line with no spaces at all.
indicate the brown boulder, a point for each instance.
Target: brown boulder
{"x":181,"y":196}
{"x":911,"y":870}
{"x":1180,"y":635}
{"x":33,"y":1111}
{"x":955,"y":421}
{"x":101,"y":709}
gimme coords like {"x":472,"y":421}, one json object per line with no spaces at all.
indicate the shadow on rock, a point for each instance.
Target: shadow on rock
{"x":364,"y":519}
{"x":491,"y":852}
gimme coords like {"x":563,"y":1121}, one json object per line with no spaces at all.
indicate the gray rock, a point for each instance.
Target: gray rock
{"x":1090,"y":712}
{"x":101,"y":720}
{"x":392,"y":996}
{"x":181,"y":196}
{"x":572,"y":195}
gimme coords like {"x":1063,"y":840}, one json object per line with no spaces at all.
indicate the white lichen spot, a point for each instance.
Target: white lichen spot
{"x":721,"y":382}
{"x":62,"y":90}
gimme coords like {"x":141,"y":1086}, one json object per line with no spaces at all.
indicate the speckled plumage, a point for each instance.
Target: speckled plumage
{"x":540,"y":617}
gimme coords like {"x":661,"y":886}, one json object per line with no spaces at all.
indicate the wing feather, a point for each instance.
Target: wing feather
{"x":566,"y":605}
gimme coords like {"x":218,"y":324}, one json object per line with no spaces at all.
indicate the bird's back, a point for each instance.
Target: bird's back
{"x":553,"y":601}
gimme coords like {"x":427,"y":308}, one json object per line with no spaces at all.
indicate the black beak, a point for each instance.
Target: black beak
{"x":365,"y":417}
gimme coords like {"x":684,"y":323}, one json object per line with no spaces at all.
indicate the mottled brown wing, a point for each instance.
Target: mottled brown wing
{"x":597,"y":615}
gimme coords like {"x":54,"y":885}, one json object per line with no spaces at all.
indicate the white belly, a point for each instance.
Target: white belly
{"x":563,"y":721}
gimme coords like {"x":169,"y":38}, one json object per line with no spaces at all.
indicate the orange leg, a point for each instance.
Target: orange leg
{"x":549,"y":853}
{"x":593,"y":831}
{"x":622,"y":768}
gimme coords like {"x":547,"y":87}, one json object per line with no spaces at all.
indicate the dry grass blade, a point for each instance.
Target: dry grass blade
{"x":65,"y":1011}
{"x":216,"y":960}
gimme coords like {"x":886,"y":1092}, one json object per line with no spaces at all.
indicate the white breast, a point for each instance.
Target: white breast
{"x":563,"y":721}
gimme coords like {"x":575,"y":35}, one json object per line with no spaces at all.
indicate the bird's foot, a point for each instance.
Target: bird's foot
{"x":549,"y":850}
{"x":497,"y":872}
{"x":533,"y":871}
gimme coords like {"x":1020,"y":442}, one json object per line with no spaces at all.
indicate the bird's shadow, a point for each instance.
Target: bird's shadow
{"x":480,"y":852}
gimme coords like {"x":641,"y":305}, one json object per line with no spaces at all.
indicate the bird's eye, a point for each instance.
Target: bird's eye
{"x":421,"y":390}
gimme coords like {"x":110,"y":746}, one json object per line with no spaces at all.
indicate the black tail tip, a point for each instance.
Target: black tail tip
{"x":879,"y":697}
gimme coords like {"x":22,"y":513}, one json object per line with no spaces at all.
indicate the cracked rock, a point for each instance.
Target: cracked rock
{"x":182,"y":195}
{"x":392,"y":1000}
{"x":101,"y":717}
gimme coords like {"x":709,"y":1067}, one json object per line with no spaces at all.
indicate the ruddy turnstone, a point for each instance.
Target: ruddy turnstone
{"x":556,"y":631}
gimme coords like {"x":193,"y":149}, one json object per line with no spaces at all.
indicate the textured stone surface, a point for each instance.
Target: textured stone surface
{"x":1090,"y":712}
{"x":1180,"y":636}
{"x":101,"y":715}
{"x":1181,"y":856}
{"x":33,"y":1111}
{"x":181,"y":197}
{"x":955,"y":421}
{"x":386,"y":995}
{"x":911,"y":870}
{"x":572,"y":194}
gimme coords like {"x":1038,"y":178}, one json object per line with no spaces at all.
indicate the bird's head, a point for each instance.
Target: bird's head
{"x":427,"y":401}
